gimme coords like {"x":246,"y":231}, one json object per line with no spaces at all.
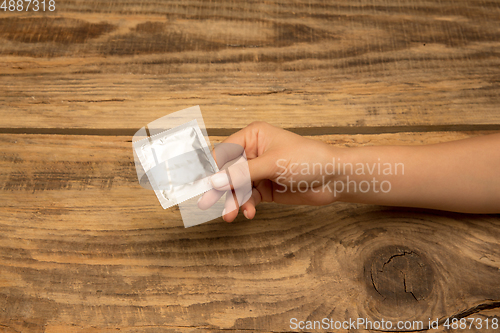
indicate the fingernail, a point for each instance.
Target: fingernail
{"x":199,"y":199}
{"x":246,"y":215}
{"x":220,"y":180}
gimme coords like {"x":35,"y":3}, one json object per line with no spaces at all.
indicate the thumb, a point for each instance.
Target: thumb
{"x":242,"y":173}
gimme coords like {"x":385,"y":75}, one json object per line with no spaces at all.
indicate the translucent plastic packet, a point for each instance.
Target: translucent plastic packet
{"x":173,"y":158}
{"x":177,"y":163}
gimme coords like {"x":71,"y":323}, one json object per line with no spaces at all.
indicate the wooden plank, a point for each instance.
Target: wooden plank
{"x":83,"y":246}
{"x":109,"y":66}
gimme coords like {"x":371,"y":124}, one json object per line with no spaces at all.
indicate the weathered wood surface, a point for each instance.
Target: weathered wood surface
{"x":83,"y":247}
{"x":113,"y":66}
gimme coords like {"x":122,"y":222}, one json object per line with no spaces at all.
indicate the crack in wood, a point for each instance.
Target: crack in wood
{"x":394,"y":256}
{"x":406,"y":288}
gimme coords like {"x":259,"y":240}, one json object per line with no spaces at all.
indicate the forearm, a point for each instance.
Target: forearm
{"x":461,"y":176}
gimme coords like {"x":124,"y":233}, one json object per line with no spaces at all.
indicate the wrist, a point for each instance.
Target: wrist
{"x":371,"y":175}
{"x":336,"y":170}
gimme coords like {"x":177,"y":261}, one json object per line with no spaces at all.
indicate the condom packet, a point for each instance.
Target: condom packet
{"x":178,"y":163}
{"x":173,"y":157}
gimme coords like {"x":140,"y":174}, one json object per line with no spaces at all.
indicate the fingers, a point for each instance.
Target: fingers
{"x":208,"y":199}
{"x":248,"y":207}
{"x":254,"y":140}
{"x":220,"y":181}
{"x":237,"y":173}
{"x":236,"y":176}
{"x":230,"y":208}
{"x":242,"y":173}
{"x":261,"y":192}
{"x":238,"y":187}
{"x":226,"y":152}
{"x":246,"y":138}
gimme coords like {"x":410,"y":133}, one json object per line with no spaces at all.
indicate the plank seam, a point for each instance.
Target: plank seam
{"x":309,"y":131}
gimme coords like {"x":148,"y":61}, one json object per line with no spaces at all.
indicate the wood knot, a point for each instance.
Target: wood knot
{"x":398,"y":275}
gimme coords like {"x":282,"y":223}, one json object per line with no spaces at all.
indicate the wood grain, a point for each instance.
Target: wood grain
{"x":85,"y":248}
{"x":107,"y":66}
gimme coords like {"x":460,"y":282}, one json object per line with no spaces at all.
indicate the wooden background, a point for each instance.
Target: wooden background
{"x":85,"y":248}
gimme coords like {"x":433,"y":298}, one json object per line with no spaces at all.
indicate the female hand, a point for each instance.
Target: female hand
{"x":281,"y":166}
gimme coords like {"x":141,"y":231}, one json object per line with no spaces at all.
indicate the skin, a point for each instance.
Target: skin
{"x":460,"y":176}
